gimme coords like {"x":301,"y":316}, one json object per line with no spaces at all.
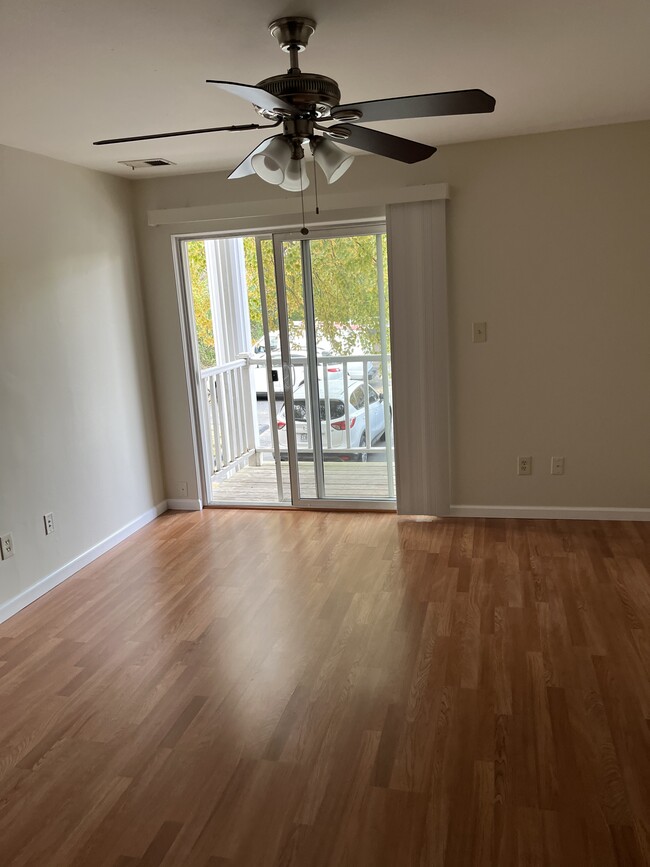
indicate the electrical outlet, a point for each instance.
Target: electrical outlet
{"x":479,"y":332}
{"x":557,"y":466}
{"x":48,"y":520}
{"x":7,"y":546}
{"x":524,"y":465}
{"x":182,"y":490}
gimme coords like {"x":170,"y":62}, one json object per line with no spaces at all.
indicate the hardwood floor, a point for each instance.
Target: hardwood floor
{"x":334,"y":690}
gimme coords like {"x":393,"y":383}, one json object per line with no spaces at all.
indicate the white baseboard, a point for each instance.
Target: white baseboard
{"x":185,"y":505}
{"x":13,"y":606}
{"x":553,"y":512}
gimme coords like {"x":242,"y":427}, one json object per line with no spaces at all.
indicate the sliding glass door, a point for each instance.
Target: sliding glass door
{"x":291,"y":370}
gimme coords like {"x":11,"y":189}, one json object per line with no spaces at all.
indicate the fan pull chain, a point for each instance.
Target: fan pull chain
{"x":316,"y":187}
{"x":304,"y":230}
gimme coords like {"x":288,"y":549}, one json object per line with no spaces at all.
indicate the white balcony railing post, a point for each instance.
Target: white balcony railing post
{"x":366,"y":405}
{"x":326,"y":401}
{"x":249,"y":395}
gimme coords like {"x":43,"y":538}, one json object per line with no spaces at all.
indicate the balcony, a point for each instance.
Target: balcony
{"x":245,"y":433}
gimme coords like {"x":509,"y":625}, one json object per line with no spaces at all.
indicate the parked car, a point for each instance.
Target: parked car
{"x":340,"y":420}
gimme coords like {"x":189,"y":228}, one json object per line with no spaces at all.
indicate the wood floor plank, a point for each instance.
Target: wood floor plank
{"x":284,"y":689}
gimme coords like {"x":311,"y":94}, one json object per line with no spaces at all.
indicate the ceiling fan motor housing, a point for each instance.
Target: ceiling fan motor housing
{"x":307,"y":91}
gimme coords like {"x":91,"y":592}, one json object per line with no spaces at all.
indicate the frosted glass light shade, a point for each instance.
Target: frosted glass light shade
{"x":292,"y":177}
{"x":333,"y":161}
{"x":271,"y":163}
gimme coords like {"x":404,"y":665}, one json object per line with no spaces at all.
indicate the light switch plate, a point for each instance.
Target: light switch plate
{"x":557,"y":466}
{"x":479,"y":332}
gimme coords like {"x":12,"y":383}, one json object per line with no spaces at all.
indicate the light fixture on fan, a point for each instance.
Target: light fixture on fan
{"x":295,"y":178}
{"x":332,"y":160}
{"x":278,"y":161}
{"x":272,"y":161}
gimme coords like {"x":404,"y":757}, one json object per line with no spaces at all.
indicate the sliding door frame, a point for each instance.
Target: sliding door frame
{"x":338,"y":228}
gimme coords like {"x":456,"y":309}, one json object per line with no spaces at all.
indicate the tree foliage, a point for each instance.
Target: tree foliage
{"x":201,"y":301}
{"x":346,"y":297}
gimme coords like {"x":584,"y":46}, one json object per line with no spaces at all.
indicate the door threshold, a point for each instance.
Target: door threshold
{"x":282,"y":507}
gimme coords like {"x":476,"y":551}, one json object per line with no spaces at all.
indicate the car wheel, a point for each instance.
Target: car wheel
{"x":363,"y":456}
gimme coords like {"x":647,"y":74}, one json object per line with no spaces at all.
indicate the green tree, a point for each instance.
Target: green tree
{"x":201,"y":302}
{"x":346,"y":299}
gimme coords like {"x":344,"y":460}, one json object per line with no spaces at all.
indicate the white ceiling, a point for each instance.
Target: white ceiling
{"x":72,"y":71}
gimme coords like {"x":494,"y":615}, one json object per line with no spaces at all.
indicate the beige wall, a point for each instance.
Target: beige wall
{"x":77,"y":426}
{"x":547,"y":242}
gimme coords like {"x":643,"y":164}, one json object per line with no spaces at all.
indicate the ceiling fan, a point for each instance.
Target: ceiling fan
{"x":306,"y":104}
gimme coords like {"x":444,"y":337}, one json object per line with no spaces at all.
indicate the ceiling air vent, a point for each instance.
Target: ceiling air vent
{"x":145,"y":164}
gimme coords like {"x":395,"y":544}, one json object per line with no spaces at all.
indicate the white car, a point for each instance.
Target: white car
{"x":363,"y":432}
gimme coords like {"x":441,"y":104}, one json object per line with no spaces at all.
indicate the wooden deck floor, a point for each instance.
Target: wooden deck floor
{"x":312,"y":689}
{"x":257,"y":485}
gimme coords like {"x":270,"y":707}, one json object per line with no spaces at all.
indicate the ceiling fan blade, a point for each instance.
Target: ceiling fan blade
{"x":385,"y":145}
{"x":424,"y":105}
{"x":245,"y":167}
{"x":255,"y":95}
{"x":236,"y":128}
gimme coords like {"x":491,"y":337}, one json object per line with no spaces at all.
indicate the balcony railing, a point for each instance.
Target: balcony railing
{"x":229,"y":423}
{"x":229,"y":407}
